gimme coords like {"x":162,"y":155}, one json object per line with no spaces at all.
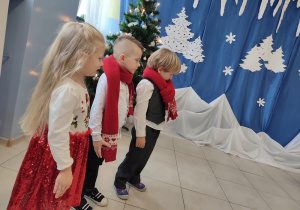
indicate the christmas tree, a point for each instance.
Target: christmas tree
{"x":141,"y":22}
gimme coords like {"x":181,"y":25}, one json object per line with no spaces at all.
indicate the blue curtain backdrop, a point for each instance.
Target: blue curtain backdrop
{"x":280,"y":115}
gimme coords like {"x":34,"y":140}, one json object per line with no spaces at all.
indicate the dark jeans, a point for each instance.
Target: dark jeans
{"x":92,"y":168}
{"x":136,"y":159}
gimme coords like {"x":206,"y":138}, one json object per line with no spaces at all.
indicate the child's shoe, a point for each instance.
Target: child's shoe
{"x":122,"y":193}
{"x":84,"y":205}
{"x":95,"y":196}
{"x":140,"y":186}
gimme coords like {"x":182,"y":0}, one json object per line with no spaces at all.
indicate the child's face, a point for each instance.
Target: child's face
{"x":132,"y":61}
{"x":164,"y":74}
{"x":93,"y":63}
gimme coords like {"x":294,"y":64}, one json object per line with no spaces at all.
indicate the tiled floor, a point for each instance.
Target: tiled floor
{"x":181,"y":175}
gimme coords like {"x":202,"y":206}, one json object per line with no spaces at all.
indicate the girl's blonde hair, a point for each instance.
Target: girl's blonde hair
{"x":166,"y":59}
{"x":70,"y":50}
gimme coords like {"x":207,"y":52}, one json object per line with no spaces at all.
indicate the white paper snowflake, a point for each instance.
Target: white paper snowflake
{"x":230,"y":38}
{"x":183,"y":68}
{"x":261,"y":102}
{"x":228,"y":70}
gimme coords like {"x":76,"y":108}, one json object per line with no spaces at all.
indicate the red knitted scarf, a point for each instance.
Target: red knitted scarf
{"x":167,"y":91}
{"x":110,"y":121}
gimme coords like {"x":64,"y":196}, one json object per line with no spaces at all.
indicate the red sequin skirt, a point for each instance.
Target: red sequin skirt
{"x":34,"y":185}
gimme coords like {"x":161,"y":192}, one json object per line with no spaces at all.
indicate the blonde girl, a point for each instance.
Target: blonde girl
{"x":52,"y":173}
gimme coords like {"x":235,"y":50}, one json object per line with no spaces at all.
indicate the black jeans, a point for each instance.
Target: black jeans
{"x":136,"y":159}
{"x":92,"y":168}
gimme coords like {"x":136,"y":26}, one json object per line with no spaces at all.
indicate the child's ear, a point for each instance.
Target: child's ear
{"x":160,"y":69}
{"x":122,"y":58}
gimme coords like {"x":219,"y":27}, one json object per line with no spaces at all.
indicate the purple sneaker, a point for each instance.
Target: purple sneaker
{"x":140,"y":186}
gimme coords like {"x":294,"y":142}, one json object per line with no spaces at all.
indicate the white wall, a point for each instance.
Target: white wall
{"x":3,"y":19}
{"x":32,"y":26}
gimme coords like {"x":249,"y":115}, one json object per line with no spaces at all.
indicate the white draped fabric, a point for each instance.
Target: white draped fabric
{"x":215,"y":124}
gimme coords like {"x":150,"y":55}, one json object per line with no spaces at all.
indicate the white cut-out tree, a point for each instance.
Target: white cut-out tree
{"x":178,"y":36}
{"x":266,"y":48}
{"x":194,"y":51}
{"x":275,"y":61}
{"x":251,"y":62}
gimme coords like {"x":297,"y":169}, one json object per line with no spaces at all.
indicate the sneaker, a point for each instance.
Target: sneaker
{"x":122,"y":193}
{"x":140,"y":186}
{"x":84,"y":205}
{"x":95,"y":196}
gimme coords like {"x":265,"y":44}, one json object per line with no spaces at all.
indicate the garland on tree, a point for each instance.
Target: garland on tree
{"x":141,"y":22}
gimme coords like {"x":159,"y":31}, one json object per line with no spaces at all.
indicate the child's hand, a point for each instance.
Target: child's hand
{"x":140,"y":142}
{"x":98,"y":145}
{"x":63,"y":182}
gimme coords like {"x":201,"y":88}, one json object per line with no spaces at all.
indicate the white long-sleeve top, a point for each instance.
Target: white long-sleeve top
{"x":144,"y":92}
{"x":68,"y":112}
{"x":99,"y":106}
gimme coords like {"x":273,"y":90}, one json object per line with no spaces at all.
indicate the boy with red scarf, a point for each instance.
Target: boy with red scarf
{"x":113,"y":103}
{"x":155,"y":104}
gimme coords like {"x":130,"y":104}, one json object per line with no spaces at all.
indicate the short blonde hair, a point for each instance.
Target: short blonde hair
{"x":119,"y":45}
{"x":70,"y":50}
{"x":166,"y":59}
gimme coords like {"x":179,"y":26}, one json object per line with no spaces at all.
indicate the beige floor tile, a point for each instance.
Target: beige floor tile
{"x":159,"y":196}
{"x":105,"y":182}
{"x":202,"y":183}
{"x":125,"y":140}
{"x":191,"y":164}
{"x":15,"y":162}
{"x":7,"y":153}
{"x":230,"y":174}
{"x":244,"y":196}
{"x":128,"y":207}
{"x":161,"y":171}
{"x":279,"y":203}
{"x":165,"y":141}
{"x":296,"y":176}
{"x":218,"y":156}
{"x":238,"y":207}
{"x":188,"y":147}
{"x":279,"y":175}
{"x":196,"y":201}
{"x":265,"y":185}
{"x":125,"y":132}
{"x":292,"y":190}
{"x":164,"y":155}
{"x":7,"y":181}
{"x":112,"y":205}
{"x":249,"y":166}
